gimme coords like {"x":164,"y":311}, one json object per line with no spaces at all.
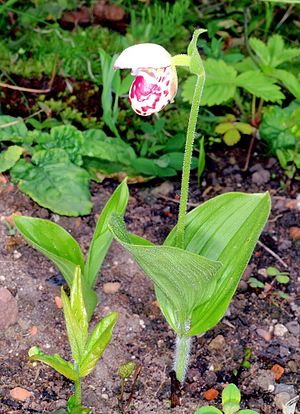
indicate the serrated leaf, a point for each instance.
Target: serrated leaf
{"x":54,"y":182}
{"x":9,"y":157}
{"x":225,"y":228}
{"x":231,"y":137}
{"x":261,"y":50}
{"x":289,"y":81}
{"x":260,"y":85}
{"x":76,"y":337}
{"x":55,"y":361}
{"x":97,"y":343}
{"x":184,"y":279}
{"x":102,"y":237}
{"x":220,"y":84}
{"x":224,"y":127}
{"x":54,"y":242}
{"x":208,"y":410}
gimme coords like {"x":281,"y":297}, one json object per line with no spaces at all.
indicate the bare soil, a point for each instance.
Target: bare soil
{"x":142,"y":334}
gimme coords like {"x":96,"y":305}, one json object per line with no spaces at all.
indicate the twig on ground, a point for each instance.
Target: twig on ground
{"x":273,"y":254}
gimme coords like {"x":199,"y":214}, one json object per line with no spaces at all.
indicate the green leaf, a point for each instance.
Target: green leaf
{"x":183,"y":279}
{"x":275,"y":52}
{"x":78,"y":305}
{"x":255,"y":283}
{"x":224,"y":127}
{"x":97,"y":343}
{"x":196,"y":65}
{"x":208,"y":410}
{"x":16,"y":131}
{"x":76,"y":337}
{"x":244,"y":128}
{"x":226,"y":229}
{"x":220,"y":84}
{"x":275,"y":128}
{"x":102,"y":237}
{"x":68,"y":138}
{"x":9,"y":157}
{"x":231,"y":398}
{"x":283,"y":279}
{"x":126,"y":370}
{"x":260,"y":85}
{"x":231,"y":137}
{"x":74,"y":408}
{"x":272,"y":271}
{"x":151,"y":167}
{"x":250,"y":411}
{"x":289,"y":81}
{"x":54,"y":182}
{"x":201,"y":160}
{"x":54,"y":242}
{"x":55,"y":361}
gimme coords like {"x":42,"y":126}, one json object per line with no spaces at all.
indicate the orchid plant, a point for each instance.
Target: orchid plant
{"x":197,"y":269}
{"x":59,"y":246}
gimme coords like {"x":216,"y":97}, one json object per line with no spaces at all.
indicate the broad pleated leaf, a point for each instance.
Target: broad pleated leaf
{"x":54,"y":242}
{"x":97,"y":343}
{"x":185,"y":279}
{"x":102,"y":237}
{"x":9,"y":157}
{"x":55,"y":361}
{"x":225,"y":228}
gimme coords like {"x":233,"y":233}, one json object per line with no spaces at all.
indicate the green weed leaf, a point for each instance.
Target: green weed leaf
{"x":226,"y":229}
{"x":183,"y":279}
{"x":260,"y":85}
{"x":208,"y":410}
{"x":9,"y":157}
{"x":97,"y":343}
{"x":231,"y":398}
{"x":47,"y":181}
{"x":16,"y":132}
{"x":102,"y":237}
{"x":55,"y":361}
{"x":231,"y":137}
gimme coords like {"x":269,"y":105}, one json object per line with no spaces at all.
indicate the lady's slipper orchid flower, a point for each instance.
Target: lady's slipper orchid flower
{"x":155,"y":83}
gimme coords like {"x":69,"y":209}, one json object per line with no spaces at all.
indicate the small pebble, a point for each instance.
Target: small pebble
{"x":264,"y":334}
{"x":293,"y":327}
{"x":17,"y":255}
{"x":111,"y":287}
{"x":217,"y":343}
{"x":8,"y":308}
{"x":58,"y":302}
{"x":20,"y":394}
{"x":104,"y":396}
{"x":280,"y":330}
{"x":266,"y":380}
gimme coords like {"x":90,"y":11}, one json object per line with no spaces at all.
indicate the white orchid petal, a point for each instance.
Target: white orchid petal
{"x":144,"y":55}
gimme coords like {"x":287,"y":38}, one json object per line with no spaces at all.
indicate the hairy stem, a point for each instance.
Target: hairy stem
{"x":188,"y":158}
{"x":182,"y":356}
{"x":77,"y":393}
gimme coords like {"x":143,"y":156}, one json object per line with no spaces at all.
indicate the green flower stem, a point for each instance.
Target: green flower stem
{"x":77,"y":393}
{"x":182,"y":356}
{"x":188,"y":158}
{"x":181,"y":60}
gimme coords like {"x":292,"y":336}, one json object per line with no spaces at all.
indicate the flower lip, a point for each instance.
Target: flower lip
{"x":144,"y":55}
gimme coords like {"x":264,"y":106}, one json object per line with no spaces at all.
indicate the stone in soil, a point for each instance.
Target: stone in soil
{"x":20,"y":394}
{"x":293,"y":327}
{"x":111,"y":287}
{"x":217,"y":343}
{"x":8,"y":308}
{"x":266,"y":380}
{"x":280,"y":330}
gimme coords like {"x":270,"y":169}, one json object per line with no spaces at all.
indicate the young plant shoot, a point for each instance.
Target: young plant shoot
{"x":197,"y":269}
{"x":231,"y":398}
{"x":60,"y":247}
{"x":86,"y":350}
